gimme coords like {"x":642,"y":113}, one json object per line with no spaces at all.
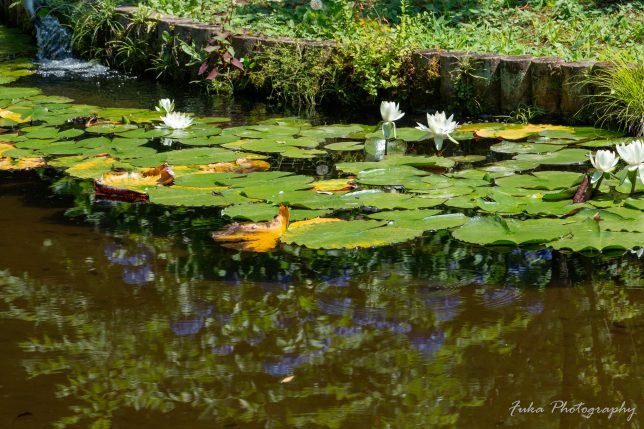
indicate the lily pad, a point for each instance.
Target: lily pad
{"x":345,"y":146}
{"x":494,"y":230}
{"x":548,"y":180}
{"x":512,"y":147}
{"x":187,"y":157}
{"x":347,"y":234}
{"x":192,"y":197}
{"x":424,"y":220}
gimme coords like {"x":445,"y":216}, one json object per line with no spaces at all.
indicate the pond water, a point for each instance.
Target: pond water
{"x":118,"y":315}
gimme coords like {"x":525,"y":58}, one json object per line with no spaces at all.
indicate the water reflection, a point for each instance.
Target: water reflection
{"x":431,"y":335}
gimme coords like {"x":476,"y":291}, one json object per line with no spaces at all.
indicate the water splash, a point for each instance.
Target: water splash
{"x":54,"y":42}
{"x":55,"y":57}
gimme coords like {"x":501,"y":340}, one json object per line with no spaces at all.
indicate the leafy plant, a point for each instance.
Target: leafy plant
{"x":296,"y":75}
{"x":217,"y":62}
{"x":166,"y":64}
{"x":619,"y":95}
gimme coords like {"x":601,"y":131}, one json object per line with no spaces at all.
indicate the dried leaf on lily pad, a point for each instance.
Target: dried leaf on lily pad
{"x":95,"y":167}
{"x":162,"y":175}
{"x":335,"y":185}
{"x":255,"y":237}
{"x":114,"y":193}
{"x":10,"y":164}
{"x":13,"y":116}
{"x":242,"y":166}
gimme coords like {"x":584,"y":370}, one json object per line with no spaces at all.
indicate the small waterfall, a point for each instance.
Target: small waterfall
{"x":54,"y":42}
{"x":55,"y":57}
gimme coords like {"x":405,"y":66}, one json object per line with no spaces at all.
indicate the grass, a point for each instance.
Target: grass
{"x":619,"y":95}
{"x":571,"y":29}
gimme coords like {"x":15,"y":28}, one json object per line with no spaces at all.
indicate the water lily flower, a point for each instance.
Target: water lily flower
{"x":165,"y":105}
{"x":605,"y":161}
{"x":440,"y":126}
{"x":390,"y":112}
{"x":177,"y":120}
{"x":633,"y":154}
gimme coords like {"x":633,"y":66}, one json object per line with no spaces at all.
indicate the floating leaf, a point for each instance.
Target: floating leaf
{"x":255,"y":237}
{"x":494,"y":230}
{"x":93,"y":168}
{"x":512,"y":147}
{"x":340,"y":234}
{"x":195,"y":156}
{"x":334,"y":185}
{"x":9,"y":164}
{"x":263,"y":212}
{"x":515,"y":131}
{"x":423,"y":220}
{"x":562,"y":157}
{"x":345,"y":146}
{"x":548,"y":180}
{"x":193,"y":197}
{"x":392,"y":176}
{"x":586,"y":235}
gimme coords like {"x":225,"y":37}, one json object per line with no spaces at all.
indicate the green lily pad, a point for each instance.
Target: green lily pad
{"x":110,"y":128}
{"x":392,"y":176}
{"x":424,"y":220}
{"x":548,"y":180}
{"x":345,"y":146}
{"x":195,"y":156}
{"x":396,"y":160}
{"x":383,"y":200}
{"x":13,"y":93}
{"x":333,"y":131}
{"x":348,"y":235}
{"x":494,"y":230}
{"x":588,"y":235}
{"x":189,"y":197}
{"x":562,"y":157}
{"x":512,"y":147}
{"x":580,"y":133}
{"x":259,"y":212}
{"x":468,"y":159}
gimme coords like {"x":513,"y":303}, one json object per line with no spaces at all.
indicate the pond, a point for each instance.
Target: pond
{"x":398,"y":313}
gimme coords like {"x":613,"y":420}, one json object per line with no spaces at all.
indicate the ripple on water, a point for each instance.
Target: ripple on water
{"x":493,"y":298}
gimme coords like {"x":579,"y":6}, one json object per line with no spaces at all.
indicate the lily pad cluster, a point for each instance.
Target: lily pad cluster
{"x":519,"y":193}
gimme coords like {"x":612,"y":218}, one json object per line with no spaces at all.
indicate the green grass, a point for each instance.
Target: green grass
{"x":619,"y":95}
{"x":570,"y":29}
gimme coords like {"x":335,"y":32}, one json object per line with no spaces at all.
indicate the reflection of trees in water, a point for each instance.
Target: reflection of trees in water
{"x":409,"y":351}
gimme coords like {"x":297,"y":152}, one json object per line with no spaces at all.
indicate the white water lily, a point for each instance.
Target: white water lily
{"x":390,"y":112}
{"x":177,"y":120}
{"x":165,"y":105}
{"x":440,"y":126}
{"x":633,"y":154}
{"x":604,"y":161}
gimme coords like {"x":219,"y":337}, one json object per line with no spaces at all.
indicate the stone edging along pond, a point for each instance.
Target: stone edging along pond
{"x":499,"y":83}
